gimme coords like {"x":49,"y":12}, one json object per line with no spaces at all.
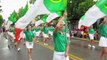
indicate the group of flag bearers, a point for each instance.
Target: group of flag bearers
{"x":54,"y":9}
{"x":58,"y":35}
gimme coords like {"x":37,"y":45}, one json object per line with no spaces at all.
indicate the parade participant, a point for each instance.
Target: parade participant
{"x":51,"y":29}
{"x":61,"y":44}
{"x":4,"y":29}
{"x":22,"y":36}
{"x":91,"y":37}
{"x":53,"y":8}
{"x":45,"y":34}
{"x":103,"y":39}
{"x":29,"y":40}
{"x":37,"y":33}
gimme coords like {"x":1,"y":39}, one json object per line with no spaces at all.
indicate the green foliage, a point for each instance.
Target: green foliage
{"x":1,"y":20}
{"x":77,"y":8}
{"x":83,"y":7}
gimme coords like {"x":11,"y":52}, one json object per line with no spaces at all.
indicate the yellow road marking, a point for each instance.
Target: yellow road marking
{"x":73,"y":57}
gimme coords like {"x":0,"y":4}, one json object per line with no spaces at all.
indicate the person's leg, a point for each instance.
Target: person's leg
{"x":30,"y":53}
{"x":92,"y":41}
{"x":37,"y":39}
{"x":101,"y":54}
{"x":105,"y":52}
{"x":18,"y":45}
{"x":46,"y":41}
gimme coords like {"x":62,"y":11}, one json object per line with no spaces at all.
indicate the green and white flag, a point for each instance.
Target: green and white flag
{"x":11,"y":19}
{"x":41,"y":21}
{"x":25,"y":9}
{"x":81,"y":22}
{"x":99,"y":10}
{"x":40,"y":7}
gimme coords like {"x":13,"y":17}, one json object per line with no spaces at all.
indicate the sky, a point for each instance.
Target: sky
{"x":8,"y":6}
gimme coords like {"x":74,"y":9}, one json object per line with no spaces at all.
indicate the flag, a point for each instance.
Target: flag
{"x":40,"y":7}
{"x":42,"y":20}
{"x":55,"y":5}
{"x":99,"y":10}
{"x":11,"y":19}
{"x":80,"y":22}
{"x":25,"y":9}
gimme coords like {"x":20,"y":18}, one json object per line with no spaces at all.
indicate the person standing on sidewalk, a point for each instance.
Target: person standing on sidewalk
{"x":45,"y":31}
{"x":91,"y":33}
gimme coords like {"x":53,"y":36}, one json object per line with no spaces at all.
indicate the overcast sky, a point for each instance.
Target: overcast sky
{"x":8,"y":6}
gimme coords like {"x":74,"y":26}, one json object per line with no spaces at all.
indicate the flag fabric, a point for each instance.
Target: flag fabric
{"x":55,"y":5}
{"x":40,"y":7}
{"x":25,"y":9}
{"x":99,"y":10}
{"x":41,"y":21}
{"x":13,"y":17}
{"x":8,"y":24}
{"x":81,"y":22}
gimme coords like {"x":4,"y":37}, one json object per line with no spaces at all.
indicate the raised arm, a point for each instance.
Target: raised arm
{"x":60,"y":21}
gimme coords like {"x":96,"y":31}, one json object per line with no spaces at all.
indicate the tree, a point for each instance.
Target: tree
{"x":1,"y":20}
{"x":83,"y":7}
{"x":77,"y":8}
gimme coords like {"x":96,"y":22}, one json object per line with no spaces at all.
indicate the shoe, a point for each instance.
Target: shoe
{"x":15,"y":44}
{"x":93,"y":47}
{"x":9,"y":47}
{"x":72,"y":36}
{"x":89,"y":45}
{"x":18,"y":49}
{"x":44,"y":43}
{"x":37,"y":41}
{"x":30,"y":59}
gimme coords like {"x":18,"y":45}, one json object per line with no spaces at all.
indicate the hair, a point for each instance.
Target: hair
{"x":28,"y":26}
{"x":104,"y":20}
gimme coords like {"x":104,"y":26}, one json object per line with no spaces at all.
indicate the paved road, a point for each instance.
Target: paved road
{"x":78,"y":51}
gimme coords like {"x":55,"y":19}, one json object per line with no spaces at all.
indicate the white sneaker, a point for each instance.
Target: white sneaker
{"x":93,"y":47}
{"x":89,"y":45}
{"x":18,"y":49}
{"x":45,"y":44}
{"x":72,"y":36}
{"x":30,"y":59}
{"x":37,"y":41}
{"x":15,"y":44}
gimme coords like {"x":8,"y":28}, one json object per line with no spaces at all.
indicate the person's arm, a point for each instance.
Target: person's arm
{"x":60,"y":21}
{"x":67,"y":50}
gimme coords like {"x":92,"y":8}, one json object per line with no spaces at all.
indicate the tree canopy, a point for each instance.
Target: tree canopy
{"x":77,"y":8}
{"x":1,"y":20}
